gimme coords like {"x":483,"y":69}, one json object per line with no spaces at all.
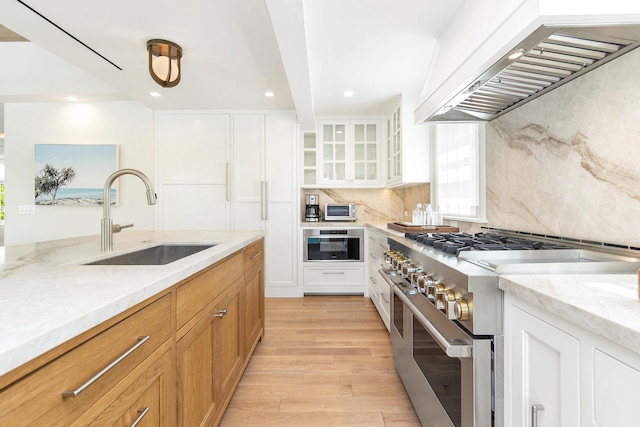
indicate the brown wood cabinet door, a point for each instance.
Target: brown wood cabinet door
{"x":253,"y":305}
{"x":230,"y":347}
{"x":197,"y":396}
{"x":149,"y":400}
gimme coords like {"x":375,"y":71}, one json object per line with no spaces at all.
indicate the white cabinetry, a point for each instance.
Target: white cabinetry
{"x":194,"y":154}
{"x":333,"y":278}
{"x":407,"y":147}
{"x":379,"y":290}
{"x":580,"y":378}
{"x":349,"y":153}
{"x":233,"y":171}
{"x":543,"y":373}
{"x":309,"y":159}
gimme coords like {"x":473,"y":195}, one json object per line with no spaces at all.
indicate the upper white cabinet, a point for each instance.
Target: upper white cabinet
{"x":407,"y":147}
{"x":309,"y":159}
{"x":348,"y":154}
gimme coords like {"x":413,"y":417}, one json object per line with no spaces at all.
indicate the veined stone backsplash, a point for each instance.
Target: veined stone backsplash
{"x":568,"y":163}
{"x":374,"y":204}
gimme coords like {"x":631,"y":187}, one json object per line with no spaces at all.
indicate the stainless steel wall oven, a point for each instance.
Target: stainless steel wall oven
{"x":331,"y":244}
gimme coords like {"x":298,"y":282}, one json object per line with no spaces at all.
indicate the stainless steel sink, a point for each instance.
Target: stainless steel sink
{"x":155,"y":255}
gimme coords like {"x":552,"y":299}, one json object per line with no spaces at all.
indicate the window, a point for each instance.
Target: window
{"x":459,"y":171}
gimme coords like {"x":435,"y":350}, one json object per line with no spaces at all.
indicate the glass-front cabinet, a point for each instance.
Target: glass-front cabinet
{"x":348,"y":154}
{"x":394,"y":145}
{"x":334,"y":152}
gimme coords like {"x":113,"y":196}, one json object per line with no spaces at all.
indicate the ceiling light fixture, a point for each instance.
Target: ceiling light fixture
{"x":348,"y":93}
{"x":155,"y":94}
{"x":164,"y":62}
{"x":71,"y":98}
{"x":269,"y":94}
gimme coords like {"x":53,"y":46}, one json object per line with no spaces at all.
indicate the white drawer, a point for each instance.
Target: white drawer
{"x":334,"y":279}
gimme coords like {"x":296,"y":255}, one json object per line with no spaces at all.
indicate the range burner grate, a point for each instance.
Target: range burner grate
{"x":454,"y":243}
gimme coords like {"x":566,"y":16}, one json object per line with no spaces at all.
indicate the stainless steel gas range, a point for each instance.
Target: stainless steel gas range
{"x":446,"y":314}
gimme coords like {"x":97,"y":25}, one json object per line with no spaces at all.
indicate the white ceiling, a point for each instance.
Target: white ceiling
{"x":308,"y":52}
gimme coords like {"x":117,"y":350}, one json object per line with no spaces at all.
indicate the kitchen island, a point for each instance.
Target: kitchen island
{"x":111,"y":344}
{"x":47,"y":295}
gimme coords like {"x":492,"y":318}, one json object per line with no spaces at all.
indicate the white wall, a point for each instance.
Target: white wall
{"x":128,"y":124}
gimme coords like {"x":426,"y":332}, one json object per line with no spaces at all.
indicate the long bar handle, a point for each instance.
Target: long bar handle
{"x":451,"y":350}
{"x":142,"y":412}
{"x":256,"y":255}
{"x":228,"y":182}
{"x":76,"y":392}
{"x":534,"y":414}
{"x":263,"y":200}
{"x":333,"y":272}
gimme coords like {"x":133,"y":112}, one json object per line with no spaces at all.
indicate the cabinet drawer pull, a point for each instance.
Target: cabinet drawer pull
{"x":256,"y":255}
{"x":333,"y":272}
{"x":76,"y":392}
{"x":534,"y":414}
{"x":142,"y":412}
{"x":221,"y":313}
{"x":373,"y":279}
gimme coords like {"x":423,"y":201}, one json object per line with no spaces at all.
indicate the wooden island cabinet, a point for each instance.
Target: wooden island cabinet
{"x":174,"y":359}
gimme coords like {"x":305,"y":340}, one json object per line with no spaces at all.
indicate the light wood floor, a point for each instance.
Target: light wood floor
{"x":324,"y":361}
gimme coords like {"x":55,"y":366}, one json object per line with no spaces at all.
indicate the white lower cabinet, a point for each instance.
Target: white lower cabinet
{"x":576,"y":377}
{"x":333,"y":278}
{"x":379,"y":290}
{"x":543,"y":373}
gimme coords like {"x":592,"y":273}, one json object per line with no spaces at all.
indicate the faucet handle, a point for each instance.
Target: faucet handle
{"x":117,"y":227}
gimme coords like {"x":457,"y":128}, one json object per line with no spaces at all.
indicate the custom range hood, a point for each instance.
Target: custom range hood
{"x":550,"y":57}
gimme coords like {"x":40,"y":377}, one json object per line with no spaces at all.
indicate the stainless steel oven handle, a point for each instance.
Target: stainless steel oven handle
{"x":451,"y":350}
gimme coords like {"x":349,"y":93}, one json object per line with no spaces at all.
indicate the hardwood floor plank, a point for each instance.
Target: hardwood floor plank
{"x":324,"y":361}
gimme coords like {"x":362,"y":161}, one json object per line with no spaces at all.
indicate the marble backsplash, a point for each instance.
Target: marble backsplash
{"x":568,"y":163}
{"x":373,"y":204}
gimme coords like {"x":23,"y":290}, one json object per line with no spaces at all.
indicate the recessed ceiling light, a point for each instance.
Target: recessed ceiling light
{"x":269,"y":94}
{"x":71,"y":98}
{"x":154,"y":94}
{"x":348,"y":93}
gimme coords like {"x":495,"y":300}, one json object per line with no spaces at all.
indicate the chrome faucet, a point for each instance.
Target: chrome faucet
{"x":107,"y":223}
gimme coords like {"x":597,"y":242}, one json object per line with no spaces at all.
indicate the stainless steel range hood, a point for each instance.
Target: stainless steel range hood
{"x":548,"y":58}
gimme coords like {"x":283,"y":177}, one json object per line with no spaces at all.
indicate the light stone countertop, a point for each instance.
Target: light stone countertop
{"x":604,"y":304}
{"x":48,"y":297}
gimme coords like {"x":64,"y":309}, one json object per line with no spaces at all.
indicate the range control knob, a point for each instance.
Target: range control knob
{"x":407,"y":269}
{"x":443,"y":297}
{"x":432,"y":290}
{"x":458,"y":309}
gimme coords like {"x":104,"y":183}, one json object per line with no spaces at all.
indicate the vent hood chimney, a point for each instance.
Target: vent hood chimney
{"x":550,"y":57}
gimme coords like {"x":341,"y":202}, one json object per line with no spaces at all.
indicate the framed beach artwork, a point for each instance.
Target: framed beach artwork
{"x":74,"y":174}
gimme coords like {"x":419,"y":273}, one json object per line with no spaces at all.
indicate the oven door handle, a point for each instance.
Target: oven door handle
{"x":451,"y":349}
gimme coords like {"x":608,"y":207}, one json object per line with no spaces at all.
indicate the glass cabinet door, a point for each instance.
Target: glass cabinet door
{"x":365,"y":151}
{"x":334,"y":149}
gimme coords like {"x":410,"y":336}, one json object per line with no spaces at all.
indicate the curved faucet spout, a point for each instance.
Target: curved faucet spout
{"x":107,"y":222}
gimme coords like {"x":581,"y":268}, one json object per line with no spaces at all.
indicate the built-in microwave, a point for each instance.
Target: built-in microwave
{"x":340,"y":212}
{"x":330,"y":244}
